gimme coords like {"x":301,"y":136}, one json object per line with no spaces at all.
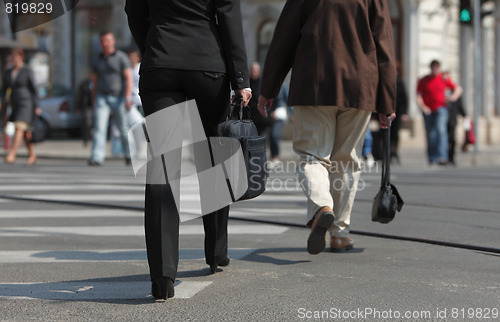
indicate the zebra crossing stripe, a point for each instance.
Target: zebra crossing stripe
{"x":112,"y":231}
{"x":90,"y":290}
{"x":139,"y":197}
{"x":107,"y":213}
{"x":70,"y":187}
{"x":58,"y":213}
{"x":105,"y":255}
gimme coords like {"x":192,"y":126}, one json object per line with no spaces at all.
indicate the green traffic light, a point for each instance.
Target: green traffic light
{"x":465,"y":15}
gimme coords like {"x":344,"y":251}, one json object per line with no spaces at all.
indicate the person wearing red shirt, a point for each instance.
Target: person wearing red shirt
{"x":432,"y":98}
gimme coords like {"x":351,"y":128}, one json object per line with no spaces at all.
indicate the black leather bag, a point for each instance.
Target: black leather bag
{"x":387,"y":201}
{"x":253,"y":146}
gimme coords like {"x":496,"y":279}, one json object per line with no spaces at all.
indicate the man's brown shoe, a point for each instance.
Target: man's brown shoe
{"x":321,"y":222}
{"x":340,"y":244}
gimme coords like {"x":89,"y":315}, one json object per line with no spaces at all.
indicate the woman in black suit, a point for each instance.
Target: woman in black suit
{"x":19,"y":89}
{"x":191,"y":49}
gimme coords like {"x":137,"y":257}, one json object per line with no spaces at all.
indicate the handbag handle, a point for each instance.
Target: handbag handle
{"x":386,"y":167}
{"x":237,"y":102}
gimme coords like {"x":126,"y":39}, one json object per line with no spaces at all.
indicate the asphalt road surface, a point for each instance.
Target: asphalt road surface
{"x":72,"y":248}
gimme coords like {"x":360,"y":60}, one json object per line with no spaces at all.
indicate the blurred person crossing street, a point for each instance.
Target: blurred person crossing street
{"x":401,"y":111}
{"x":280,"y":112}
{"x":432,"y":99}
{"x":19,"y":91}
{"x":134,"y":114}
{"x":111,"y":92}
{"x":263,"y":124}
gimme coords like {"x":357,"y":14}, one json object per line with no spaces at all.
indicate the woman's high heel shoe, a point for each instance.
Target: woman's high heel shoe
{"x":162,"y":288}
{"x":223,"y":263}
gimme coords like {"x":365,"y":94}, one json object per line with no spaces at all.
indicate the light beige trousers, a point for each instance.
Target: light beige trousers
{"x":329,"y":140}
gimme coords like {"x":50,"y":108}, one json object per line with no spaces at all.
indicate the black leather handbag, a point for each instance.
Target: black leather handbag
{"x":253,"y":147}
{"x":387,"y":201}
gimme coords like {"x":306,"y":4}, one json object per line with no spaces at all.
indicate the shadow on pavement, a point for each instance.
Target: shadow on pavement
{"x":263,"y":255}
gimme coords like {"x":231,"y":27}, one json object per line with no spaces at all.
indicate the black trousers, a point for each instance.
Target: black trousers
{"x":395,"y":127}
{"x":452,"y":123}
{"x":159,"y":89}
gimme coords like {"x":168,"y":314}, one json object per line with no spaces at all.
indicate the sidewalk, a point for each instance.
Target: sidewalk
{"x":411,"y":156}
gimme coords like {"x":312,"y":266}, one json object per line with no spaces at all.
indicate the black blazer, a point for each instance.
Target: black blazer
{"x":23,"y":98}
{"x":204,"y":35}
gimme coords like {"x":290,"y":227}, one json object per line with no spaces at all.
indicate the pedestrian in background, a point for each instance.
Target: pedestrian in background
{"x":432,"y":98}
{"x":367,"y":150}
{"x":134,"y":113}
{"x":191,"y":49}
{"x":454,"y":109}
{"x":19,"y":91}
{"x":279,"y":114}
{"x":262,"y":124}
{"x":135,"y":60}
{"x":342,"y":55}
{"x":401,"y":112}
{"x":111,"y":92}
{"x":255,"y":79}
{"x":84,"y":103}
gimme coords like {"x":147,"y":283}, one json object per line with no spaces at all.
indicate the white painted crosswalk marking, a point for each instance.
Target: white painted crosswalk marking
{"x":65,"y":291}
{"x":73,"y":213}
{"x":92,"y":213}
{"x":69,"y":187}
{"x":261,"y":212}
{"x":88,"y":197}
{"x":139,"y":197}
{"x":107,"y":231}
{"x":108,"y":255}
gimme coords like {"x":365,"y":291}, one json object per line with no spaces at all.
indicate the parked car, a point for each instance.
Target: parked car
{"x":59,"y":111}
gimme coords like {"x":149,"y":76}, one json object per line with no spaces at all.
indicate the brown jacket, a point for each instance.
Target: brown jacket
{"x":342,"y":54}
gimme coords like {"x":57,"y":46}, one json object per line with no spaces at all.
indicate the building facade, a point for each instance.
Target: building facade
{"x":423,"y":30}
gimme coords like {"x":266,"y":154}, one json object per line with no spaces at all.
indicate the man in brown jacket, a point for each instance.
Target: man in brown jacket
{"x":342,"y":54}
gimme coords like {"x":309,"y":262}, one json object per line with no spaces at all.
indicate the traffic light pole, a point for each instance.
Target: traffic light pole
{"x":477,"y":70}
